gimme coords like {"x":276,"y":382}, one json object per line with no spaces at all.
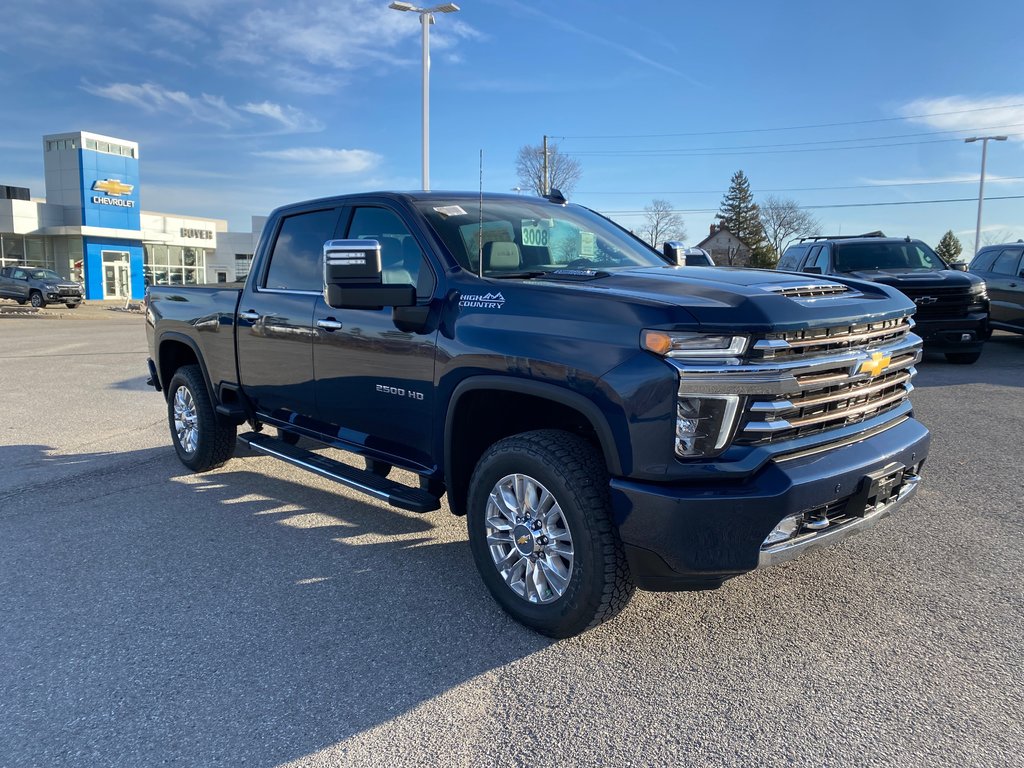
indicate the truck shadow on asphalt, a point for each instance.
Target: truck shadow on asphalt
{"x":235,"y":616}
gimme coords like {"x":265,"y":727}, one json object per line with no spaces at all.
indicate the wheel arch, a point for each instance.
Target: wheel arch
{"x":485,"y":409}
{"x":175,"y":350}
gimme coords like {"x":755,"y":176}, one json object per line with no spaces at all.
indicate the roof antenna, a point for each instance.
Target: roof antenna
{"x":480,"y":236}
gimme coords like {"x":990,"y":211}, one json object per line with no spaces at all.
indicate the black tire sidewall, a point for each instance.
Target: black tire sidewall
{"x":573,"y":611}
{"x":191,"y":378}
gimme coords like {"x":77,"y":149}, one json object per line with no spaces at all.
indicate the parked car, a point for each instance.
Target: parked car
{"x":605,"y":421}
{"x":1002,"y":269}
{"x":39,"y":287}
{"x":679,"y":254}
{"x":952,"y":307}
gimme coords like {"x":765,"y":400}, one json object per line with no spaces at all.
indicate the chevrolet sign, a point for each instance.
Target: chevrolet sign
{"x":112,"y":189}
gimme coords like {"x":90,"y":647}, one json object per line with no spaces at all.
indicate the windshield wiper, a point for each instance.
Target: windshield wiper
{"x":516,"y":275}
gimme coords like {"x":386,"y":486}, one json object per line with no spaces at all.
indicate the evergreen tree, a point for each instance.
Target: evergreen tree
{"x":741,"y":216}
{"x":949,"y":247}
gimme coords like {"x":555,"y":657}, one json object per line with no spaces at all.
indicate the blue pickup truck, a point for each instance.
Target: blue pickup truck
{"x":604,"y":419}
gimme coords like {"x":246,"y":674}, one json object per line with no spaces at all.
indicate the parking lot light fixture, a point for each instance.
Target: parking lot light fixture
{"x":426,"y":19}
{"x":981,"y":187}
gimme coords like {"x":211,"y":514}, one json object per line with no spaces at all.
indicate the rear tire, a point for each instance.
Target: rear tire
{"x":963,"y":358}
{"x":541,"y":533}
{"x":202,"y":440}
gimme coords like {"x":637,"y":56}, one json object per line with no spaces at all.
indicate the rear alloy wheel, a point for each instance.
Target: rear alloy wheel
{"x":541,"y":533}
{"x":202,"y":440}
{"x":36,"y":299}
{"x":963,"y":358}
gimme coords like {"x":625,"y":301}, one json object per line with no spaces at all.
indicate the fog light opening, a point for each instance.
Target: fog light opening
{"x":787,"y":529}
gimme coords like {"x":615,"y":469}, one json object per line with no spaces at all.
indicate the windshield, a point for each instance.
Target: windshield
{"x":853,"y":257}
{"x":520,"y":237}
{"x":45,"y":274}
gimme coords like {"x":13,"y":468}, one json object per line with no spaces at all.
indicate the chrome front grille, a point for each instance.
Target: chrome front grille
{"x":801,"y":383}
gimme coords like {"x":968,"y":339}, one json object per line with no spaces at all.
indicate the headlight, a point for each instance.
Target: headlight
{"x":978,"y":298}
{"x":49,"y":287}
{"x":685,"y":345}
{"x":704,"y":423}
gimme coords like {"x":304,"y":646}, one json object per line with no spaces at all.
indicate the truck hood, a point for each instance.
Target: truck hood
{"x":756,"y":300}
{"x":918,"y":278}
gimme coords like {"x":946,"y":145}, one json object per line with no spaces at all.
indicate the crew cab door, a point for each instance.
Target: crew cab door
{"x":274,"y":326}
{"x":1006,"y":287}
{"x":14,"y":283}
{"x":374,"y":381}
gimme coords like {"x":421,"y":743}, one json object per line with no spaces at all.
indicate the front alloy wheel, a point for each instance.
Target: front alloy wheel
{"x":541,"y":532}
{"x":529,"y":538}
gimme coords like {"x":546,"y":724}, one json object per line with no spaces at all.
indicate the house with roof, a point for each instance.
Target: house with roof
{"x":725,"y":248}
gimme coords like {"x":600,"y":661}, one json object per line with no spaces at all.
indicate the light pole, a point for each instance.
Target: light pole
{"x":426,"y":19}
{"x":981,"y":187}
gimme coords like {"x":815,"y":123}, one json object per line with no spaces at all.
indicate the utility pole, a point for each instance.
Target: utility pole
{"x":981,"y":187}
{"x":547,"y":188}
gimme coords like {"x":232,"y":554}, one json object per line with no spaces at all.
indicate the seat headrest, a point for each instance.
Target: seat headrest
{"x":501,"y":255}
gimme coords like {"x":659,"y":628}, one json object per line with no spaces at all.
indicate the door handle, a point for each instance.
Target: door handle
{"x":329,"y":324}
{"x":249,"y":315}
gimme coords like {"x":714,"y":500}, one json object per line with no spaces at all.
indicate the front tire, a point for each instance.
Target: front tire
{"x":201,"y":439}
{"x":69,"y":305}
{"x":36,"y":300}
{"x":963,"y":358}
{"x":541,"y":533}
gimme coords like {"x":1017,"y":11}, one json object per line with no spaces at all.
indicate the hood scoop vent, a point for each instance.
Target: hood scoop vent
{"x":809,"y":291}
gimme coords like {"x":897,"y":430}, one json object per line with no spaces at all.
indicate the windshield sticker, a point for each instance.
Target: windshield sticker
{"x":450,"y":210}
{"x":482,"y":301}
{"x":588,"y":242}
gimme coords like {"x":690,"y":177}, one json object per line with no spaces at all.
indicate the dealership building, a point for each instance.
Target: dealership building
{"x":91,"y":228}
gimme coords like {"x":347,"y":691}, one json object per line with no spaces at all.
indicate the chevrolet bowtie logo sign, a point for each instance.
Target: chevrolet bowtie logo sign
{"x":522,"y":540}
{"x":874,"y":367}
{"x":113,"y":187}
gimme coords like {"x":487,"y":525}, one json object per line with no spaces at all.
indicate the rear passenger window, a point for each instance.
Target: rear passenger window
{"x":295,"y":262}
{"x":1006,"y":263}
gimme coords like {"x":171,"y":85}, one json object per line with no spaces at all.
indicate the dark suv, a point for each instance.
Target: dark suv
{"x":952,"y":306}
{"x":38,"y":287}
{"x":1002,"y":269}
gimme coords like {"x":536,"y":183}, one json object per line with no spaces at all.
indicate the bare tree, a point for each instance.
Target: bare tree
{"x":563,"y":171}
{"x":662,"y":223}
{"x":783,"y":220}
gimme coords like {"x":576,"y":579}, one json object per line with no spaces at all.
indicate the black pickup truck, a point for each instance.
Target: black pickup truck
{"x":604,"y":419}
{"x":952,"y":312}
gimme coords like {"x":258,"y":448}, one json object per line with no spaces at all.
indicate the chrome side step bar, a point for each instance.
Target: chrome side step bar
{"x":395,"y":494}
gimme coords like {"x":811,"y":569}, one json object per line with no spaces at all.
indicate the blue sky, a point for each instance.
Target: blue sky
{"x":242,"y":105}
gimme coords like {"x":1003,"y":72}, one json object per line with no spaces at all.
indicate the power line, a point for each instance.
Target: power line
{"x":792,"y":127}
{"x":800,"y":143}
{"x":989,"y":179}
{"x":837,"y":205}
{"x":702,"y":153}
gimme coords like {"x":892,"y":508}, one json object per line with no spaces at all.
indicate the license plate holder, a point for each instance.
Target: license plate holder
{"x":878,"y":488}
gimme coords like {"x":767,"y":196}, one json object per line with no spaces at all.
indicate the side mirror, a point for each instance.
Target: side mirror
{"x":353,"y":278}
{"x":812,"y":270}
{"x":674,"y":251}
{"x":959,"y":266}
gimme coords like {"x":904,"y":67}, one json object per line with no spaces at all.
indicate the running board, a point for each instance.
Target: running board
{"x":395,"y":494}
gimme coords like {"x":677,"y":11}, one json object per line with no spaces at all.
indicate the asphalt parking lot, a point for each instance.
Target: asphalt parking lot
{"x":258,"y":615}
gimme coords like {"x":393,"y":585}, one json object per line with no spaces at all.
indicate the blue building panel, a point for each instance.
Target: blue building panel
{"x":110,"y":190}
{"x":93,"y":249}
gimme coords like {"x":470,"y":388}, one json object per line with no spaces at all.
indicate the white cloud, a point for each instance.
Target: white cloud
{"x":996,"y":114}
{"x":292,"y":120}
{"x":910,"y":181}
{"x":321,"y":160}
{"x":206,"y":108}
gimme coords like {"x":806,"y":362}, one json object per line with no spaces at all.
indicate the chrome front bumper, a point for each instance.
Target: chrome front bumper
{"x":808,"y":542}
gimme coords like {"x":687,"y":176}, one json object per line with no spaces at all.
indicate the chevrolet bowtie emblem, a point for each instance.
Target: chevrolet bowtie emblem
{"x":873,"y":367}
{"x":113,"y":187}
{"x":522,"y":539}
